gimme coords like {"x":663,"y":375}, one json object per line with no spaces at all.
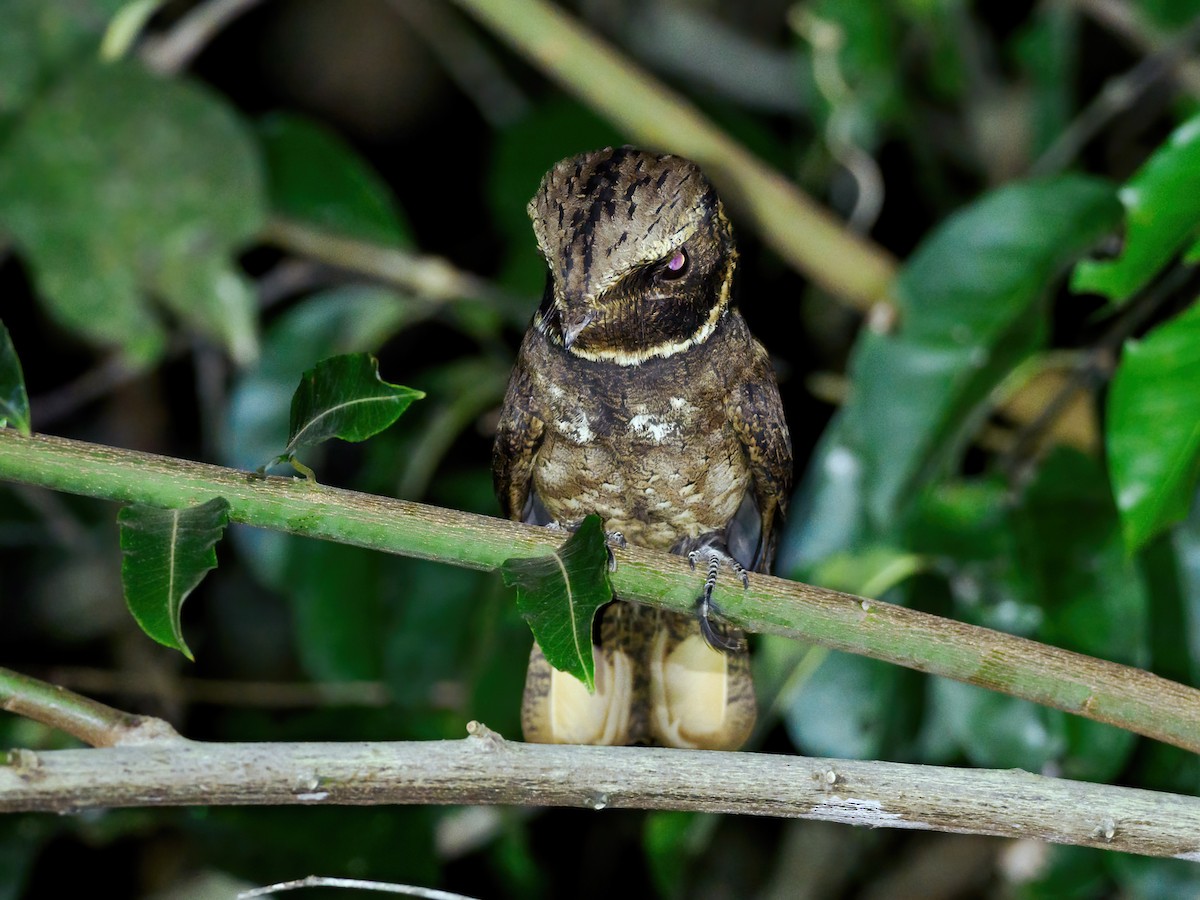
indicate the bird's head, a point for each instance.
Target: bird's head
{"x":640,"y":255}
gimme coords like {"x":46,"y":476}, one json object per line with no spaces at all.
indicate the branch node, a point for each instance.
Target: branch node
{"x":306,"y":783}
{"x":143,"y":730}
{"x":1106,"y":830}
{"x":483,"y":738}
{"x":25,"y":761}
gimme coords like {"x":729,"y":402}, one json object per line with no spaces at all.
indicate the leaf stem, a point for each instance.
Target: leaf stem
{"x":1107,"y":692}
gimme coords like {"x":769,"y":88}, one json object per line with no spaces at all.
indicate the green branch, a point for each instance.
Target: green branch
{"x":81,"y":717}
{"x":798,"y":228}
{"x":1119,"y":695}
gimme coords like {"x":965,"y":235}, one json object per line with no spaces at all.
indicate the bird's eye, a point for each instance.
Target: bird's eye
{"x":674,"y":266}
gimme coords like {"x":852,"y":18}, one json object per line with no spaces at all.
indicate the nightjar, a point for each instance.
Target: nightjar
{"x":639,"y":394}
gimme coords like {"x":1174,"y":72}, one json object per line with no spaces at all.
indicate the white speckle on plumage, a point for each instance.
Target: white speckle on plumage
{"x":578,"y":428}
{"x":653,"y":427}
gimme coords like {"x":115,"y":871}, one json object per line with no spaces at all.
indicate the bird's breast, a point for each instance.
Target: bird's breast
{"x":654,"y":457}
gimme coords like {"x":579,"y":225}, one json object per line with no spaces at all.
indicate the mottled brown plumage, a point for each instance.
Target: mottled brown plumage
{"x":639,"y":394}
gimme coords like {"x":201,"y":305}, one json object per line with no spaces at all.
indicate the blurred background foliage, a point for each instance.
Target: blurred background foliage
{"x":182,"y":234}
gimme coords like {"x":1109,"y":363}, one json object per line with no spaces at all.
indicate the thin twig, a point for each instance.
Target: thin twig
{"x":466,"y":60}
{"x":428,"y":277}
{"x":357,"y":884}
{"x":1123,"y":19}
{"x":826,"y":39}
{"x":1117,"y":95}
{"x":110,"y":374}
{"x":1094,"y":366}
{"x":174,"y":51}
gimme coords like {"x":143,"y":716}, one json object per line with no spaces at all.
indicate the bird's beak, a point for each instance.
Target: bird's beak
{"x":571,"y":332}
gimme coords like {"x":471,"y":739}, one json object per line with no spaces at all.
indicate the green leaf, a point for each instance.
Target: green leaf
{"x":14,"y":402}
{"x":996,"y":731}
{"x":340,"y":320}
{"x":1146,"y":878}
{"x":1048,"y":565}
{"x":1047,"y":50}
{"x":1068,"y":873}
{"x":851,"y":707}
{"x":166,"y":553}
{"x":1069,"y":547}
{"x":1191,"y":256}
{"x":1185,"y":541}
{"x":969,"y":313}
{"x":315,"y":177}
{"x":1092,"y":597}
{"x":558,"y":594}
{"x":838,"y":704}
{"x":1162,"y":214}
{"x":674,"y":843}
{"x":1153,"y":428}
{"x":829,"y":513}
{"x":336,"y":640}
{"x":117,"y":186}
{"x":425,"y":643}
{"x":344,"y":397}
{"x":38,"y":39}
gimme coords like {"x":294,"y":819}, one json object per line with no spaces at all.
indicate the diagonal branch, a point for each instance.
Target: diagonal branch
{"x":1119,"y":695}
{"x":89,"y":720}
{"x":798,"y":228}
{"x":486,"y":769}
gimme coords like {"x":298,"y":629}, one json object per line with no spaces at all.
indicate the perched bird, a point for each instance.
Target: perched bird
{"x":640,"y":395}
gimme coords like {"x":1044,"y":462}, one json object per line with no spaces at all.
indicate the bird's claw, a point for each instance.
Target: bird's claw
{"x":614,"y":539}
{"x":705,"y":608}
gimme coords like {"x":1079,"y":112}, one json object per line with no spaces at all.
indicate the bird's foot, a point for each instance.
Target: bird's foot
{"x":716,"y":556}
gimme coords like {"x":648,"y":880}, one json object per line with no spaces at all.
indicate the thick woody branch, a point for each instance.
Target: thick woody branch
{"x":485,"y":769}
{"x":1119,"y":695}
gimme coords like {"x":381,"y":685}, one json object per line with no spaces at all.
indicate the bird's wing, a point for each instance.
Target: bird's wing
{"x":518,"y":436}
{"x":755,"y":411}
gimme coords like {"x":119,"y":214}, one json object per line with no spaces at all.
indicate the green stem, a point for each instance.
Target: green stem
{"x":1119,"y":695}
{"x":89,"y":720}
{"x":798,"y":228}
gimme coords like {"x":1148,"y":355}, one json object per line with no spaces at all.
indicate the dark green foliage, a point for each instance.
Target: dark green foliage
{"x":117,"y":185}
{"x":315,"y":178}
{"x":136,"y":218}
{"x":14,"y":402}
